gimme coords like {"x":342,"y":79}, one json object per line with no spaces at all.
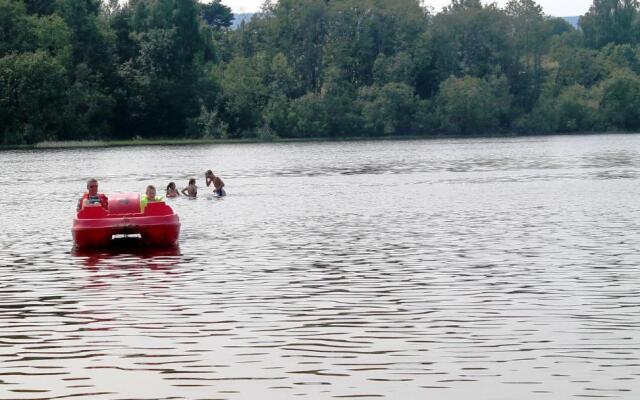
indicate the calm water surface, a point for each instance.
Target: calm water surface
{"x":449,"y":269}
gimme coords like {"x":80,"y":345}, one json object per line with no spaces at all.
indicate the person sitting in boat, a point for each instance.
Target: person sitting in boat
{"x":172,"y":191}
{"x":191,"y":190}
{"x":92,"y":196}
{"x":148,"y":197}
{"x":218,"y":184}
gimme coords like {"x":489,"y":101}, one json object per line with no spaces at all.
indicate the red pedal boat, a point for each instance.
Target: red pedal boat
{"x":157,"y":226}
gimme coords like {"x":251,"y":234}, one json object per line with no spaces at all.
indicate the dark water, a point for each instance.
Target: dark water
{"x":477,"y":269}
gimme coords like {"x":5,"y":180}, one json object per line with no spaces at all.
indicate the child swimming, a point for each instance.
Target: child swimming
{"x":191,"y":190}
{"x":172,"y":191}
{"x":218,"y":184}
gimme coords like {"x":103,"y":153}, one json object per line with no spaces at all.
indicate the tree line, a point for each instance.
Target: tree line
{"x":91,"y":69}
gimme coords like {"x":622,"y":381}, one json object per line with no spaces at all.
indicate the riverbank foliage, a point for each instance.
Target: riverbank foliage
{"x":94,"y":70}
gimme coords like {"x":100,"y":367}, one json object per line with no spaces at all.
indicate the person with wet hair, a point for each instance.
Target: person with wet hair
{"x":218,"y":184}
{"x":172,"y":191}
{"x":91,"y":196}
{"x":191,"y":190}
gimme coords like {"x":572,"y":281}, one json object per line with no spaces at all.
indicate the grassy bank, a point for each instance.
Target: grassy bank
{"x":86,"y":144}
{"x":190,"y":142}
{"x":185,"y":142}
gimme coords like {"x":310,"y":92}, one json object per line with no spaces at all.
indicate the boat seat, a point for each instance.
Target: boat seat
{"x":157,"y":208}
{"x":92,"y":211}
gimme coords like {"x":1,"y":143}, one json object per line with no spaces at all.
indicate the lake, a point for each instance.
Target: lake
{"x":443,"y":269}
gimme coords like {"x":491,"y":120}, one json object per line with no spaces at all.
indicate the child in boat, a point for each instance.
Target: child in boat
{"x":148,"y":197}
{"x":218,"y":184}
{"x":191,"y":190}
{"x":172,"y":191}
{"x":92,"y":196}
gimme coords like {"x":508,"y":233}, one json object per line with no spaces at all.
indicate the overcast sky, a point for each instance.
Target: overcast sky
{"x":558,"y":8}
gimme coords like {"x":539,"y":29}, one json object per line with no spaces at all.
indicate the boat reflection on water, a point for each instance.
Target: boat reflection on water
{"x":126,"y":257}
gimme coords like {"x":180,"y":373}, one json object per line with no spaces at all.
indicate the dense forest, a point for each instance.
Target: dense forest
{"x":91,"y":69}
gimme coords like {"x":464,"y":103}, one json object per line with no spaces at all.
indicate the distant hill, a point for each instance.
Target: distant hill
{"x":572,"y":20}
{"x":238,"y":18}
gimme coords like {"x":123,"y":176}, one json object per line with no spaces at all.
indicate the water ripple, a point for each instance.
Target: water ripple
{"x":501,"y":268}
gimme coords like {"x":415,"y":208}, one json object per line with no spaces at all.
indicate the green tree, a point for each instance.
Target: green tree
{"x":621,"y":101}
{"x":470,"y":39}
{"x":529,"y":30}
{"x":339,"y":102}
{"x":388,"y":110}
{"x":216,"y":14}
{"x":88,"y":42}
{"x":75,"y":69}
{"x":471,"y":105}
{"x":576,"y":110}
{"x":361,"y":31}
{"x":281,"y":78}
{"x":121,"y":27}
{"x":308,"y":116}
{"x":400,"y":67}
{"x":30,"y":97}
{"x":13,"y":16}
{"x":159,"y":93}
{"x":89,"y":108}
{"x":40,"y":7}
{"x":558,"y":26}
{"x":297,"y":28}
{"x":575,"y":65}
{"x":244,"y":94}
{"x":277,"y":116}
{"x":611,"y":21}
{"x":613,"y":57}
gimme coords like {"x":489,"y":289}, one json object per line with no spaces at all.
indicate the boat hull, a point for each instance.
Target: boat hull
{"x":158,"y":226}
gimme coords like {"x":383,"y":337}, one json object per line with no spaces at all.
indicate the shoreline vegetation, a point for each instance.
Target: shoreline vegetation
{"x":92,"y":144}
{"x":105,"y":72}
{"x":88,"y":144}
